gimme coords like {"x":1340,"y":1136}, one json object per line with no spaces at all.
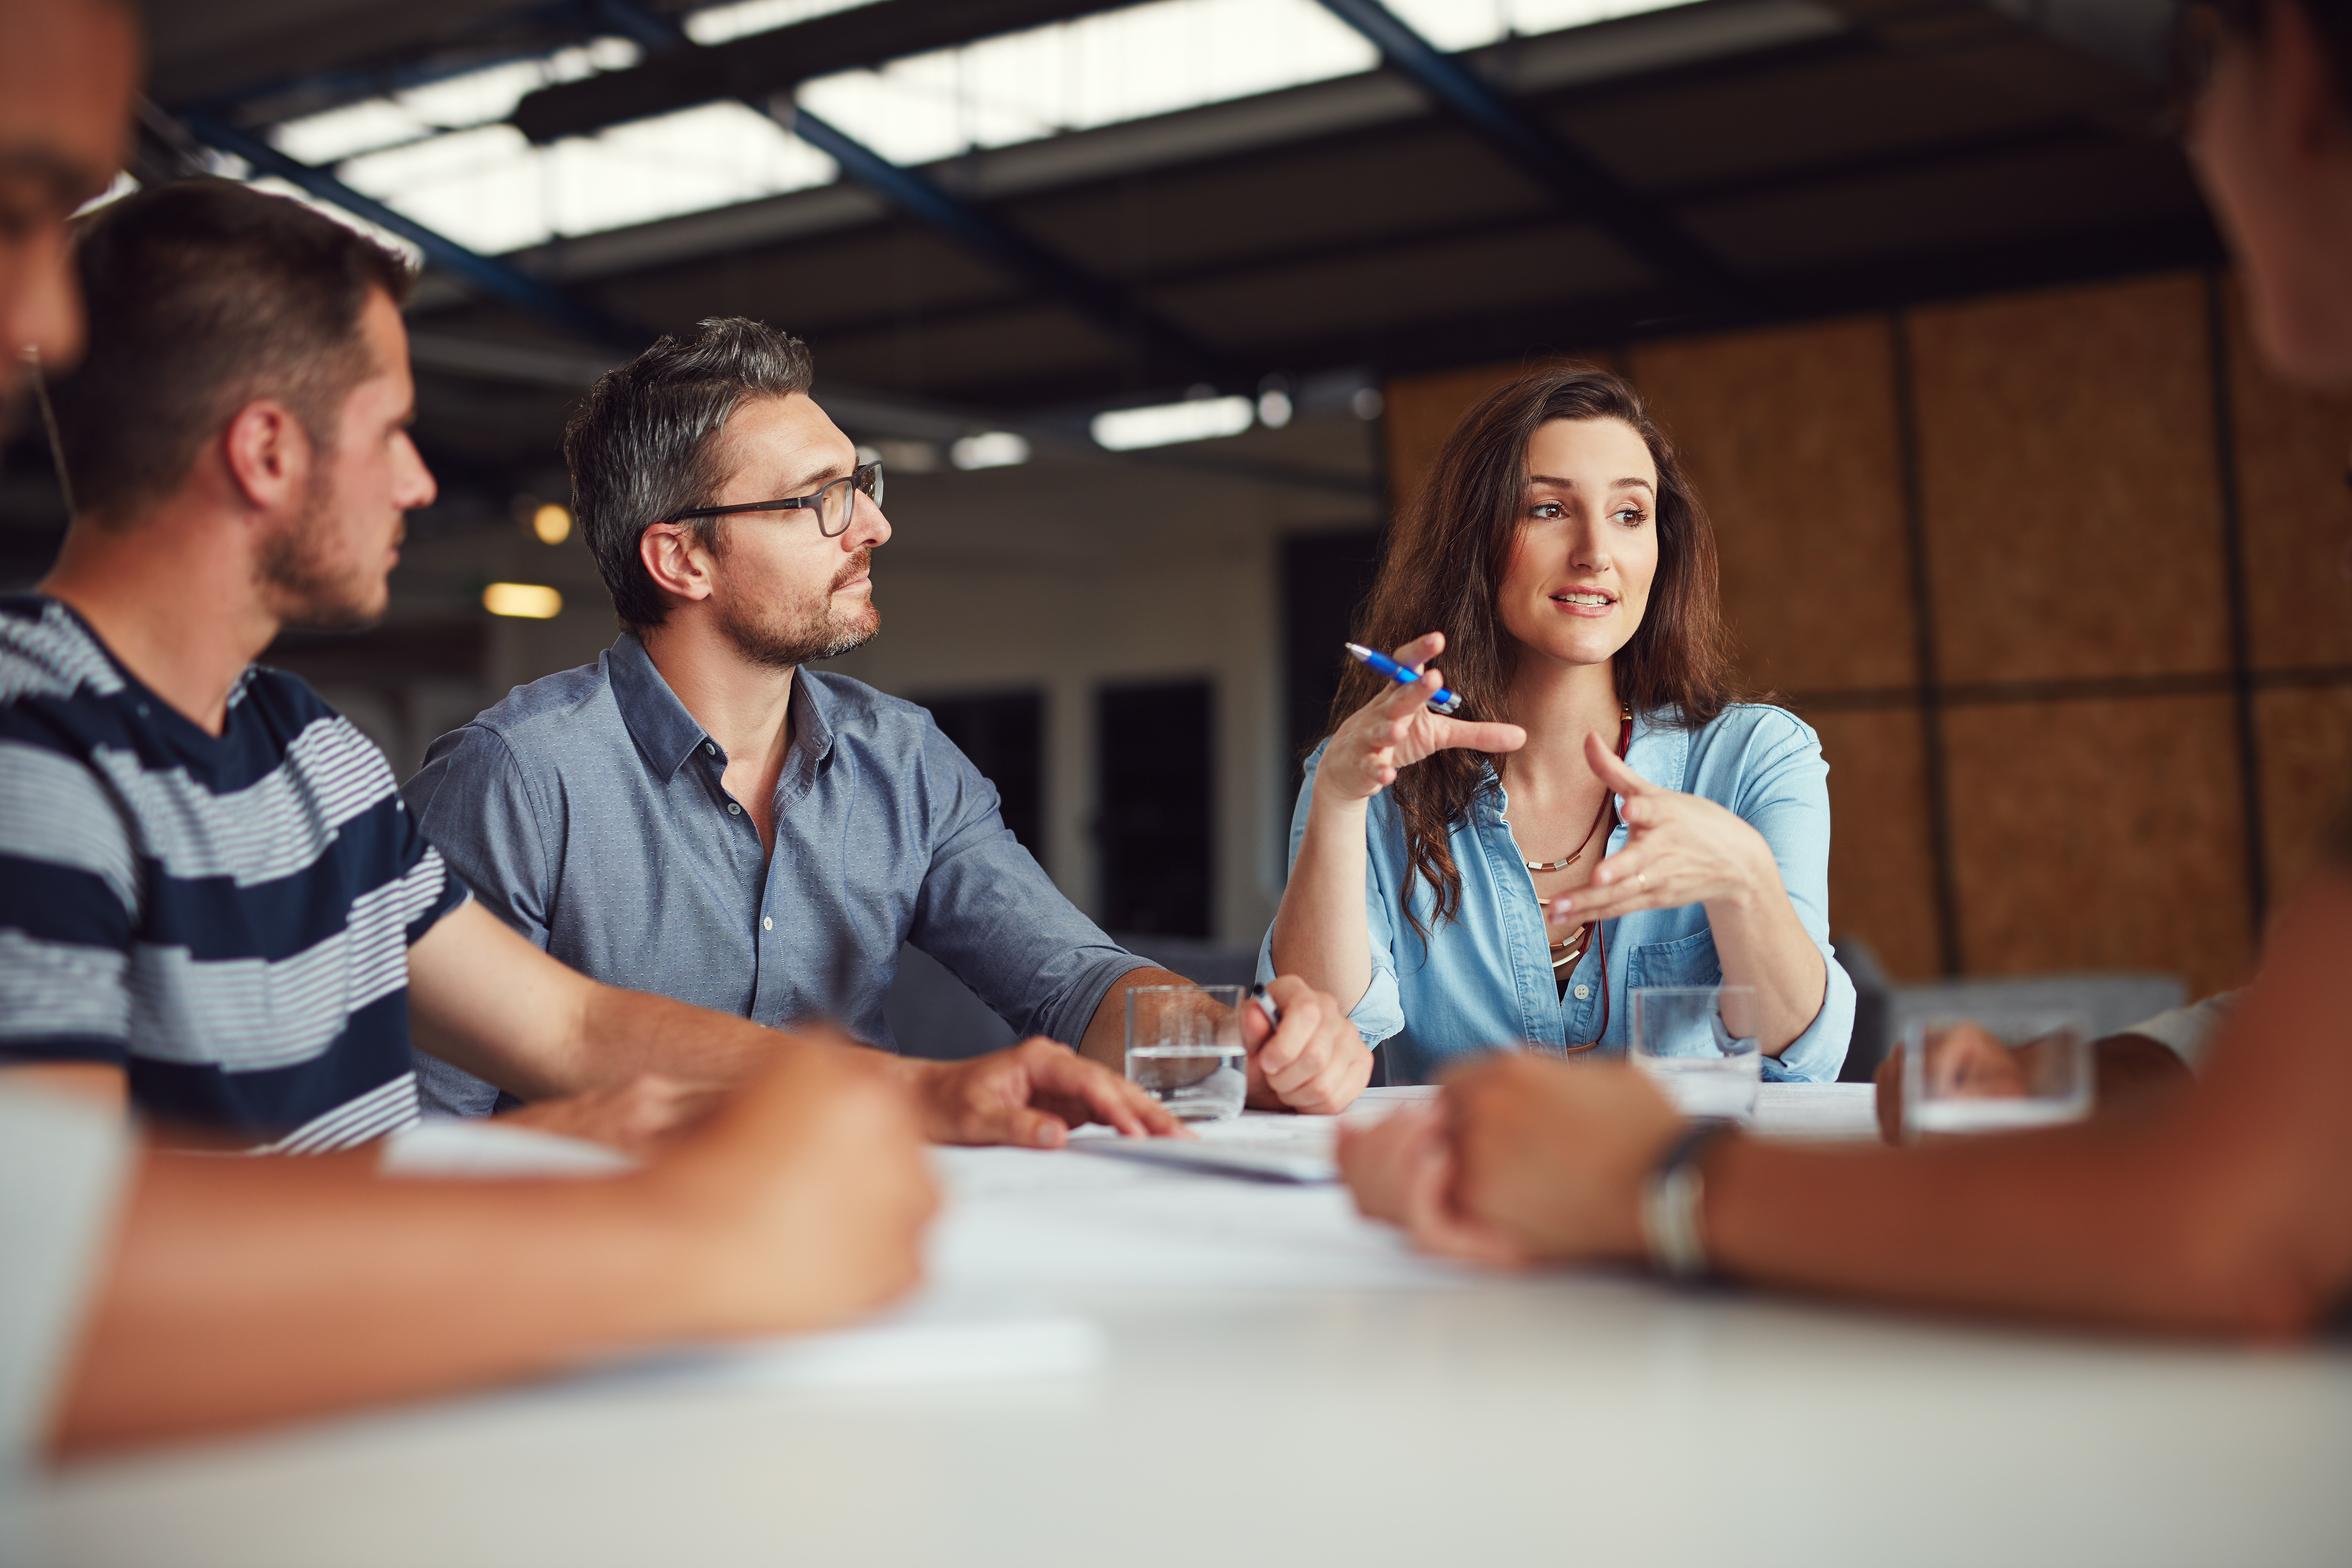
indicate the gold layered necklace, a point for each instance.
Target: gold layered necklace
{"x":1569,"y":950}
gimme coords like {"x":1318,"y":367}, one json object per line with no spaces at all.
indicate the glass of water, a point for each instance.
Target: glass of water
{"x":1184,"y":1048}
{"x":1698,"y":1045}
{"x":1996,"y":1072}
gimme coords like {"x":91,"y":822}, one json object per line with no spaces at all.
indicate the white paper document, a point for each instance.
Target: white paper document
{"x":1254,"y":1147}
{"x":1031,"y":1221}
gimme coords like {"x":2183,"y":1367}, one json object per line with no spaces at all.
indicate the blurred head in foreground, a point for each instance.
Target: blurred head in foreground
{"x":246,"y":370}
{"x":2270,"y":128}
{"x":68,"y":71}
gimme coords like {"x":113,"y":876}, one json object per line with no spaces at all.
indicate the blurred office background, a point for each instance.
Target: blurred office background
{"x":1154,"y":312}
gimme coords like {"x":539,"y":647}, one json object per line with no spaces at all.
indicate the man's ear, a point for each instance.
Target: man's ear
{"x":268,"y":454}
{"x":676,"y":561}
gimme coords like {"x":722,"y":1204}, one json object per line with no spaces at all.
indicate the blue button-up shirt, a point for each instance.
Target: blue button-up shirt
{"x":1485,"y":978}
{"x":586,"y":811}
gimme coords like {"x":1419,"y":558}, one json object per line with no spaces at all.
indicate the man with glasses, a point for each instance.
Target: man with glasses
{"x":700,"y":815}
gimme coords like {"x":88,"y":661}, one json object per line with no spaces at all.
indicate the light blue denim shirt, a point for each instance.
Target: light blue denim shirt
{"x":1484,"y":979}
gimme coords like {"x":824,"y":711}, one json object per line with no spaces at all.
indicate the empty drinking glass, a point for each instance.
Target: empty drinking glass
{"x":1184,"y":1048}
{"x":1995,"y":1072}
{"x":1698,"y":1043}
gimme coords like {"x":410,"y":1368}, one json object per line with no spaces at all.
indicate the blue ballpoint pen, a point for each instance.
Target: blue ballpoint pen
{"x":1444,"y":702}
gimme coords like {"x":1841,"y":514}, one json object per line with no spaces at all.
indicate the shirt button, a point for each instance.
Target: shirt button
{"x":733,"y":809}
{"x":710,"y":748}
{"x":766,"y":922}
{"x":1583,"y":992}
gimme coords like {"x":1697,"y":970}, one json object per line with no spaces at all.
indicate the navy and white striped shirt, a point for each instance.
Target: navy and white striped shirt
{"x":228,"y":919}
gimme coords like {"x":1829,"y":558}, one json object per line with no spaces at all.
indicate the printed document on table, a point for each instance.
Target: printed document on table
{"x":1028,"y":1220}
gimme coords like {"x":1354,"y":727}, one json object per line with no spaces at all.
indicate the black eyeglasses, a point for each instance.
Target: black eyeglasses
{"x":834,"y":505}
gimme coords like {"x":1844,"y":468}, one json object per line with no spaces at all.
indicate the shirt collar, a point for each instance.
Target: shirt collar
{"x":664,"y":731}
{"x":1658,"y":751}
{"x":668,"y":733}
{"x":812,"y":733}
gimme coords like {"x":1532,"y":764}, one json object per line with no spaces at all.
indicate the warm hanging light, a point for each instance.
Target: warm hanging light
{"x":527,"y":601}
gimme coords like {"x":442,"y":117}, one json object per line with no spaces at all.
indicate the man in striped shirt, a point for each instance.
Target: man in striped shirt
{"x":211,"y":893}
{"x":145,"y":1293}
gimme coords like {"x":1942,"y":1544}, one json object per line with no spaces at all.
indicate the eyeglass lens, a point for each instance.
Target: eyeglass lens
{"x":840,"y":501}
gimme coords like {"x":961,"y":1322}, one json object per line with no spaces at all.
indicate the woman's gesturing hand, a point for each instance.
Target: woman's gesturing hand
{"x":1679,"y":849}
{"x":1397,"y":729}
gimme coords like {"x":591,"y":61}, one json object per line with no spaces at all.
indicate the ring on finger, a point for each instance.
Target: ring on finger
{"x":1642,"y":881}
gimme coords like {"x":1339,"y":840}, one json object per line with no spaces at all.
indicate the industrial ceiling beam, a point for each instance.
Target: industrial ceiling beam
{"x":1108,"y":306}
{"x":754,"y":67}
{"x":1113,"y":309}
{"x":1578,"y":183}
{"x":485,"y":273}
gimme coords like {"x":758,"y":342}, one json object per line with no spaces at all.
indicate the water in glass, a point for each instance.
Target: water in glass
{"x":1184,"y":1048}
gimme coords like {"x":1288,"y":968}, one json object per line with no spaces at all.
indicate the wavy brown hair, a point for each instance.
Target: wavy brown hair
{"x":1441,"y":569}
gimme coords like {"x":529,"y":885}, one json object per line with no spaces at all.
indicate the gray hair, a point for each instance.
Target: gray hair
{"x":644,"y":446}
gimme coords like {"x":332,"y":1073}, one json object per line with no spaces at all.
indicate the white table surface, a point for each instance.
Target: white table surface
{"x":1223,"y":1372}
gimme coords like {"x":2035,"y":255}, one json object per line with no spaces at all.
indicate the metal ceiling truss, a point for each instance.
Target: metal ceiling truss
{"x":1109,"y":307}
{"x":487,"y":274}
{"x":754,"y":67}
{"x":1580,"y":185}
{"x":759,"y":69}
{"x":1117,"y":312}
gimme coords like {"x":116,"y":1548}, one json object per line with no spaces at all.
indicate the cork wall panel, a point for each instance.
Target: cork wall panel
{"x":2068,"y":476}
{"x":1790,"y":436}
{"x":2103,"y":835}
{"x":1882,"y":871}
{"x":2305,"y":741}
{"x":2294,"y":514}
{"x":1420,"y":411}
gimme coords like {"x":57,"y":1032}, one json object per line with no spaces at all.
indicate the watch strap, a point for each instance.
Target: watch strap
{"x":1670,"y":1204}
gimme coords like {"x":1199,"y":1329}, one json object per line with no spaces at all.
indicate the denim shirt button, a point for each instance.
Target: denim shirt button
{"x":733,"y":809}
{"x":1583,"y":992}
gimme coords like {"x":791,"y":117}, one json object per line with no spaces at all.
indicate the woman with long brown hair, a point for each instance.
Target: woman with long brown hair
{"x":1474,"y":880}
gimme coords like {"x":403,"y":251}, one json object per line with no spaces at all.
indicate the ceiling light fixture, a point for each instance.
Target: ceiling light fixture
{"x":989,"y":449}
{"x":1165,"y":424}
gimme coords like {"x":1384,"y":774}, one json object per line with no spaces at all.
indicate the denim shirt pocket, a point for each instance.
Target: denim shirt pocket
{"x":1685,"y":961}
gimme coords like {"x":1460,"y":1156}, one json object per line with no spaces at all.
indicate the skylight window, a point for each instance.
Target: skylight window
{"x":491,"y":190}
{"x":1095,"y":70}
{"x":454,"y":103}
{"x":442,"y":153}
{"x":720,"y":23}
{"x":1146,"y":60}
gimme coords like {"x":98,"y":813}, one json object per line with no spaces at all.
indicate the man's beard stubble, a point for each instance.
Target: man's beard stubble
{"x":783,"y":638}
{"x":296,"y":568}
